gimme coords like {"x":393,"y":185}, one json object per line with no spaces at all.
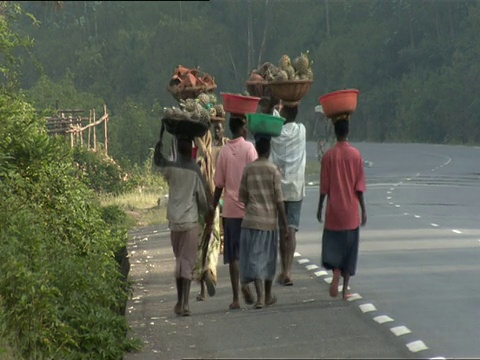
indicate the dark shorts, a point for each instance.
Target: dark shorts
{"x":293,"y":210}
{"x":231,"y":239}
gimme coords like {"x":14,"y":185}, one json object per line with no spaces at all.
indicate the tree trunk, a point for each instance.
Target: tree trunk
{"x":250,"y":52}
{"x":264,"y":40}
{"x":327,"y":18}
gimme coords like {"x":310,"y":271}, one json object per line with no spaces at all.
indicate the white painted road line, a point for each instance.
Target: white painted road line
{"x":457,"y":231}
{"x":397,"y":206}
{"x":323,"y":272}
{"x":311,"y":267}
{"x":400,"y":330}
{"x":381,"y":319}
{"x":296,"y":254}
{"x":303,"y":261}
{"x":416,"y":346}
{"x":417,"y":216}
{"x":328,"y":280}
{"x":389,"y":198}
{"x":367,"y":308}
{"x":434,"y":225}
{"x":438,"y":358}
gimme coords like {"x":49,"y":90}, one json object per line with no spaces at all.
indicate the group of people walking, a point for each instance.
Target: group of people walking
{"x":260,"y":188}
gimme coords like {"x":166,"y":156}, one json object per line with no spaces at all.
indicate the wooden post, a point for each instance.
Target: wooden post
{"x":94,"y":133}
{"x":106,"y":128}
{"x":81,"y":134}
{"x":71,"y":134}
{"x":89,"y":130}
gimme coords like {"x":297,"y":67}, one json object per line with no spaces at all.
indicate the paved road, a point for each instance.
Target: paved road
{"x":305,"y":323}
{"x":419,"y":254}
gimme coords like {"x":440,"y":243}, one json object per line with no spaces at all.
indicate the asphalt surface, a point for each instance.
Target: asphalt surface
{"x":304,"y":323}
{"x":419,"y":253}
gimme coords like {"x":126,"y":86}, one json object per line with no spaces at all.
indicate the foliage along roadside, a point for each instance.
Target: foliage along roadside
{"x":61,"y":292}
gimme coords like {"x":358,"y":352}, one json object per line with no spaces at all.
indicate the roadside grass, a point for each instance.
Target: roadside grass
{"x":142,"y":206}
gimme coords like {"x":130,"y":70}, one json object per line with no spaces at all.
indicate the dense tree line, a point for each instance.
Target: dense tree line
{"x":414,"y":61}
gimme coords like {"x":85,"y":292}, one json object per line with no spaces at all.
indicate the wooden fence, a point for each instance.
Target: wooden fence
{"x":81,"y":129}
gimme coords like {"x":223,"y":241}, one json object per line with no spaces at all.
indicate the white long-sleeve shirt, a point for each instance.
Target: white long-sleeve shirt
{"x":289,"y":153}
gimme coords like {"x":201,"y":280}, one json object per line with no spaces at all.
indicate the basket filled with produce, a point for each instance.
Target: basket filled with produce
{"x":189,"y":83}
{"x":291,"y":80}
{"x":193,"y":117}
{"x":240,"y":104}
{"x":258,"y":79}
{"x":339,"y":102}
{"x":265,"y":124}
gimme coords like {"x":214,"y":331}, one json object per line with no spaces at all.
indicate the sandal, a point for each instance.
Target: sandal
{"x":234,"y":306}
{"x":281,"y":279}
{"x":247,"y":294}
{"x":287,"y":282}
{"x":271,"y":301}
{"x":258,"y":305}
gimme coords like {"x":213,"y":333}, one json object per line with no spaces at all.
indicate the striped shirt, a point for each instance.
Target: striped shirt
{"x":260,"y":191}
{"x":289,"y":154}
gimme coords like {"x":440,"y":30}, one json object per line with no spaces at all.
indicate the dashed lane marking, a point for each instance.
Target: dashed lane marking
{"x":303,"y":261}
{"x":416,"y":346}
{"x":382,"y":319}
{"x":367,"y":308}
{"x":457,"y":231}
{"x":354,"y":297}
{"x":434,"y":225}
{"x":311,"y":267}
{"x":400,"y":330}
{"x":323,"y":272}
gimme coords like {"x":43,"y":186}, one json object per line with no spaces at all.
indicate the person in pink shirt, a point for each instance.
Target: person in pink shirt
{"x":342,"y":182}
{"x":232,"y":159}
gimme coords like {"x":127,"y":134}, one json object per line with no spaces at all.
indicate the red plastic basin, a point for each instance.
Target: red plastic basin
{"x":339,"y":102}
{"x":239,"y":104}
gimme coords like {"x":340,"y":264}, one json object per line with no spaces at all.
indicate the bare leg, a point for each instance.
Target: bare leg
{"x":201,"y":296}
{"x":270,"y":299}
{"x":260,"y":296}
{"x":282,"y":247}
{"x":185,"y":297}
{"x":235,"y":280}
{"x":178,"y":306}
{"x":334,"y":284}
{"x":345,"y":293}
{"x":289,"y":252}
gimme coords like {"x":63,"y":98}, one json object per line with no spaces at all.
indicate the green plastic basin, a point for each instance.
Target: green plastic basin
{"x":265,"y":124}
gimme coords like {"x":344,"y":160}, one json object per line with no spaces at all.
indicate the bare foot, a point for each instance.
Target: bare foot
{"x":272,"y":300}
{"x":234,"y":305}
{"x":346,"y":296}
{"x":334,"y":284}
{"x":201,"y":297}
{"x":177,"y":309}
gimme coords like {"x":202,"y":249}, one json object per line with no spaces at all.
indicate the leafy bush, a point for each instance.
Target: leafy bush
{"x":61,"y":288}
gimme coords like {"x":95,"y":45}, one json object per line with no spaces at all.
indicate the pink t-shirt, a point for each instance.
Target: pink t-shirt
{"x":341,"y":176}
{"x":232,"y":159}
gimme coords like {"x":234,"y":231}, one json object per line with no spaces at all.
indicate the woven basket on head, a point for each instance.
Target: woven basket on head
{"x":189,"y":92}
{"x":256,"y":88}
{"x":289,"y":90}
